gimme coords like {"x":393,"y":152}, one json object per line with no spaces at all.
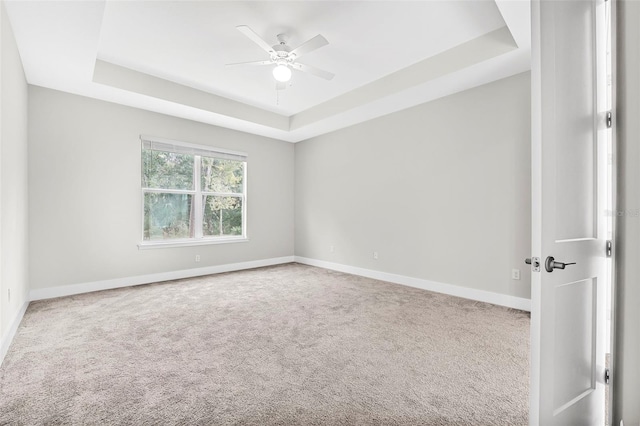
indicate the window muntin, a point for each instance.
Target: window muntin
{"x":192,"y":193}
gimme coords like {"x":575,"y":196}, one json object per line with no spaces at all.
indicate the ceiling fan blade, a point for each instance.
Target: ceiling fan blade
{"x":244,"y":29}
{"x":309,"y":46}
{"x":280,"y":85}
{"x":250,"y":63}
{"x":313,"y":70}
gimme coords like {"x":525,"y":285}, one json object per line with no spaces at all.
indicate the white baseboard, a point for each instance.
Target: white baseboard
{"x":453,"y":290}
{"x":68,"y":290}
{"x":6,"y":340}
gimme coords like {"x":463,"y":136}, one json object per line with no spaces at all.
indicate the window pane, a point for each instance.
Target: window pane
{"x":167,"y":216}
{"x":220,"y":175}
{"x":167,"y":170}
{"x":222,"y":216}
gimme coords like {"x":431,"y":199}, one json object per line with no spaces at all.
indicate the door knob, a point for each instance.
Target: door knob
{"x":550,"y":264}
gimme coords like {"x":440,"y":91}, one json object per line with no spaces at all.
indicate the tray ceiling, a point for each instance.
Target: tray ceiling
{"x":170,"y":56}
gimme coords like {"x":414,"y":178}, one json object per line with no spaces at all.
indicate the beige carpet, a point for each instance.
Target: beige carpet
{"x":283,"y":345}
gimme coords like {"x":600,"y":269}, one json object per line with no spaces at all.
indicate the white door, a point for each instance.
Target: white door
{"x":569,"y":212}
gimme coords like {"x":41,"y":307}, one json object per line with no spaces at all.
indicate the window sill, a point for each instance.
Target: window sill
{"x":187,"y":243}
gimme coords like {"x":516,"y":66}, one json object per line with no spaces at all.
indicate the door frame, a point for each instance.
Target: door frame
{"x":613,"y":187}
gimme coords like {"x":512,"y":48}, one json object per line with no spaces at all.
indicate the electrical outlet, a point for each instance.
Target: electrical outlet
{"x":515,"y":274}
{"x":331,"y":249}
{"x":197,"y":258}
{"x":375,"y":255}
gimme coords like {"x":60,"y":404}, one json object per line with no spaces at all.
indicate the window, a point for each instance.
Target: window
{"x":191,"y":194}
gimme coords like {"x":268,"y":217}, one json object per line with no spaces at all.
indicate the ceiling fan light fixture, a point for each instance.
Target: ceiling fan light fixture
{"x":284,"y":57}
{"x":282,"y":73}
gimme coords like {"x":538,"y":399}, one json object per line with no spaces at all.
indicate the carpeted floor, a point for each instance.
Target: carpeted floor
{"x":283,"y":345}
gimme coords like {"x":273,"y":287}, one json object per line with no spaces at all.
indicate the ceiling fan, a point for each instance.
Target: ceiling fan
{"x":284,"y":57}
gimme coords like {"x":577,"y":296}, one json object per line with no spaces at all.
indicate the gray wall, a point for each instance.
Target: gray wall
{"x":441,"y":191}
{"x":626,"y":379}
{"x":13,"y":179}
{"x":85,"y":199}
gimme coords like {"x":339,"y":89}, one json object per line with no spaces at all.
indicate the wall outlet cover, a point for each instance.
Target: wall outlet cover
{"x":515,"y":274}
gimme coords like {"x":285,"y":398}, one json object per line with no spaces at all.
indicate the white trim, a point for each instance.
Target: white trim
{"x":68,"y":290}
{"x":536,"y":213}
{"x":453,"y":290}
{"x":197,"y":200}
{"x":6,"y":340}
{"x":155,"y":244}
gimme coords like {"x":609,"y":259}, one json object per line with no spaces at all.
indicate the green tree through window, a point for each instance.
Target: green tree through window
{"x":192,"y":193}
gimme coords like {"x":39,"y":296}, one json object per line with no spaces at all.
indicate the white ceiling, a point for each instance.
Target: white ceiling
{"x":170,"y":56}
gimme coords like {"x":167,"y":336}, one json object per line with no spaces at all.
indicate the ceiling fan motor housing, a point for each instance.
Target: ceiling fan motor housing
{"x":282,"y":56}
{"x":282,"y":50}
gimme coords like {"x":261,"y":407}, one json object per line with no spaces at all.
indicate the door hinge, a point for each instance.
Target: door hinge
{"x":609,"y":248}
{"x":609,"y":119}
{"x":607,"y":376}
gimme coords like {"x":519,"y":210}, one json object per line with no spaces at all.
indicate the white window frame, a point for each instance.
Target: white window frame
{"x":197,"y":194}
